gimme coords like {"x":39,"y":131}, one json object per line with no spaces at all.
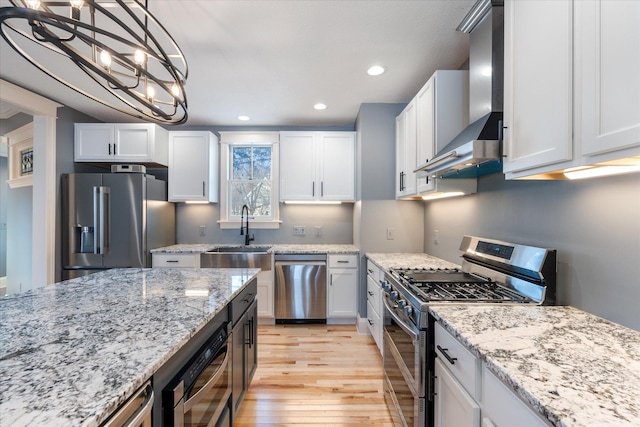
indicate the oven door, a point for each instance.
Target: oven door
{"x":205,"y":402}
{"x":404,"y":370}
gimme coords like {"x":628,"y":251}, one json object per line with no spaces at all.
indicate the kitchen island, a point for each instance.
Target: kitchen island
{"x":72,"y":352}
{"x":571,"y":367}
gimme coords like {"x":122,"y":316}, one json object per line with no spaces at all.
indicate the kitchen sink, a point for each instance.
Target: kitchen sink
{"x":237,"y":257}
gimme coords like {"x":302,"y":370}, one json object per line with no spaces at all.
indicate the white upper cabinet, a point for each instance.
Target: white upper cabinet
{"x":559,"y":116}
{"x":608,"y":54}
{"x":193,"y":166}
{"x":406,"y":151}
{"x":442,"y":108}
{"x":121,"y":143}
{"x":317,"y":166}
{"x":537,"y":83}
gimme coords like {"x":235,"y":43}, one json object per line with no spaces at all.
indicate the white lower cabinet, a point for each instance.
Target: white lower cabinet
{"x":375,"y":309}
{"x":265,"y":295}
{"x":342,"y":287}
{"x":176,"y":260}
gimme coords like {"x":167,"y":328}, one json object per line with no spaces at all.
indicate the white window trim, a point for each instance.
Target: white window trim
{"x":244,"y":138}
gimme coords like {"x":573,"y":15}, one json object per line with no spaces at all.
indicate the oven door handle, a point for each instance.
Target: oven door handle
{"x":408,"y":329}
{"x":222,"y":370}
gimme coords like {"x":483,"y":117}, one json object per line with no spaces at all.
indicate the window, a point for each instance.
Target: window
{"x":249,"y":176}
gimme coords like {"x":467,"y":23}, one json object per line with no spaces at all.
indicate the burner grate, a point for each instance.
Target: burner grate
{"x":470,"y":292}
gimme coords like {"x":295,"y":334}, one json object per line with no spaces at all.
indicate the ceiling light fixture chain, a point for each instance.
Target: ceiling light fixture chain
{"x":121,"y":47}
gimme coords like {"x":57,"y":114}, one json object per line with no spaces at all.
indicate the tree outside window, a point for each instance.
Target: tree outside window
{"x":250,"y":180}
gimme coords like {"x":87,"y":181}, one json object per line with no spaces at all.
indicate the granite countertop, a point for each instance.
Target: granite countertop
{"x":277,"y":248}
{"x":72,"y":352}
{"x":408,"y":260}
{"x":574,"y":368}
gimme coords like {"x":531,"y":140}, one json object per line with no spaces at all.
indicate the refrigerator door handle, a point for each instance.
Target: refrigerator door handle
{"x":102,"y":218}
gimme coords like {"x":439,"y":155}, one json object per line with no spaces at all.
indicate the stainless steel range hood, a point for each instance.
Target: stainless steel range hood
{"x":477,"y":150}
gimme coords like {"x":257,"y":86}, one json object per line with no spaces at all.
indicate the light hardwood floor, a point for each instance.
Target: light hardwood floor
{"x":314,"y":375}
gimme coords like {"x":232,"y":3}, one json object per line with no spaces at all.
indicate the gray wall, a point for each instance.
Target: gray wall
{"x":336,"y":222}
{"x":594,"y":224}
{"x":377,"y":210}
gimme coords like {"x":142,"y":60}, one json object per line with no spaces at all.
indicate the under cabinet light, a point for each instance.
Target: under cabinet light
{"x":196,"y":292}
{"x":310,"y":202}
{"x":435,"y":196}
{"x":196,"y":202}
{"x":595,"y":171}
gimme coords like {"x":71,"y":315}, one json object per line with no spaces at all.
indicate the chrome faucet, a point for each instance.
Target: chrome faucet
{"x":244,"y":228}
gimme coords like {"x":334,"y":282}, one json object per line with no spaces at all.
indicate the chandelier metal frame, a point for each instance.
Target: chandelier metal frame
{"x":143,"y":73}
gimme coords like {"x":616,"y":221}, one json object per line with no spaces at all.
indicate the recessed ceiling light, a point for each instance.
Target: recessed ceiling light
{"x":320,"y":106}
{"x":376,"y":70}
{"x":243,"y":118}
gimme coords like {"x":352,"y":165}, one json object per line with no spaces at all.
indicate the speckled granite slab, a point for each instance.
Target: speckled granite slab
{"x":72,"y":352}
{"x":574,"y":368}
{"x":408,"y":260}
{"x":283,"y":249}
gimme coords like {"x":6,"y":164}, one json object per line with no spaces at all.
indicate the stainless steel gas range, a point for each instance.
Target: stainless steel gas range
{"x":492,"y":272}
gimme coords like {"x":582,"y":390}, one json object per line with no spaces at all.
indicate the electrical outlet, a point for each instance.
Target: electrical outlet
{"x":299,"y":230}
{"x":436,"y":236}
{"x":203,"y":230}
{"x":390,"y":233}
{"x":318,"y":230}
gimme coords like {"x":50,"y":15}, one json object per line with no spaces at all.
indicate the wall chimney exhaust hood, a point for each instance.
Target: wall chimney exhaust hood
{"x":477,"y":149}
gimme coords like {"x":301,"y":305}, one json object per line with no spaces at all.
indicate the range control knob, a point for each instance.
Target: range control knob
{"x":393,"y":295}
{"x":402,"y":303}
{"x":408,"y":310}
{"x":386,"y":286}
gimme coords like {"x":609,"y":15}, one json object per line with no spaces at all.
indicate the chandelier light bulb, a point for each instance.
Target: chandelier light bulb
{"x":105,"y":59}
{"x":139,"y":57}
{"x":151,"y":93}
{"x":76,"y":3}
{"x":175,"y":90}
{"x":33,"y":4}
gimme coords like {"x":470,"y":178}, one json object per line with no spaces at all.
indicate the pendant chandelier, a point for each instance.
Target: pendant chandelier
{"x":129,"y":61}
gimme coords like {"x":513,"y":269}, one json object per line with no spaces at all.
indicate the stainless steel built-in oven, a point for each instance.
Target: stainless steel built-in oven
{"x":199,"y":396}
{"x":405,"y":361}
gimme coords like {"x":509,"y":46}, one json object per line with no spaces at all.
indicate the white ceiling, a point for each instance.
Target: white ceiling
{"x":274,"y":59}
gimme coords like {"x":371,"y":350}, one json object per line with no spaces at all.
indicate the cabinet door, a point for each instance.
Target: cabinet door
{"x":342,"y":292}
{"x":265,"y":294}
{"x":406,"y":140}
{"x":453,"y":406}
{"x":134,"y":142}
{"x":538,"y":104}
{"x":192,"y":166}
{"x":93,"y":142}
{"x":609,"y":53}
{"x":337,"y":166}
{"x":251,"y":344}
{"x":297,"y":166}
{"x":425,"y":131}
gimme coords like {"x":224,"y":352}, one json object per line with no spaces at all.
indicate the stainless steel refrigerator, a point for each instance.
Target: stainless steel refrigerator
{"x":113,"y":220}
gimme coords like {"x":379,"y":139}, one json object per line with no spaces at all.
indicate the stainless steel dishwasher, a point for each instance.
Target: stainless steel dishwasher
{"x":301,"y":288}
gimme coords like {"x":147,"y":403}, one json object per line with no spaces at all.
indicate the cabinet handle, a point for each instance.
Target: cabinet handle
{"x":321,"y":188}
{"x":172,"y":260}
{"x":343,"y":262}
{"x":114,"y":149}
{"x":331,"y":280}
{"x":313,"y":189}
{"x":370,"y":293}
{"x":451,"y":360}
{"x":202,"y":188}
{"x":370,"y":270}
{"x":109,"y":148}
{"x":370,"y":322}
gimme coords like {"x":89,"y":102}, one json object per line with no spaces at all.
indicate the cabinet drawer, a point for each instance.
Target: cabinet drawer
{"x":374,"y":271}
{"x":243,"y":300}
{"x":374,"y":322}
{"x":373,"y":293}
{"x":343,"y":261}
{"x":464,"y":366}
{"x":176,"y":260}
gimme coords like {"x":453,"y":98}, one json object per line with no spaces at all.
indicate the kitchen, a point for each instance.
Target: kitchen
{"x":578,"y":218}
